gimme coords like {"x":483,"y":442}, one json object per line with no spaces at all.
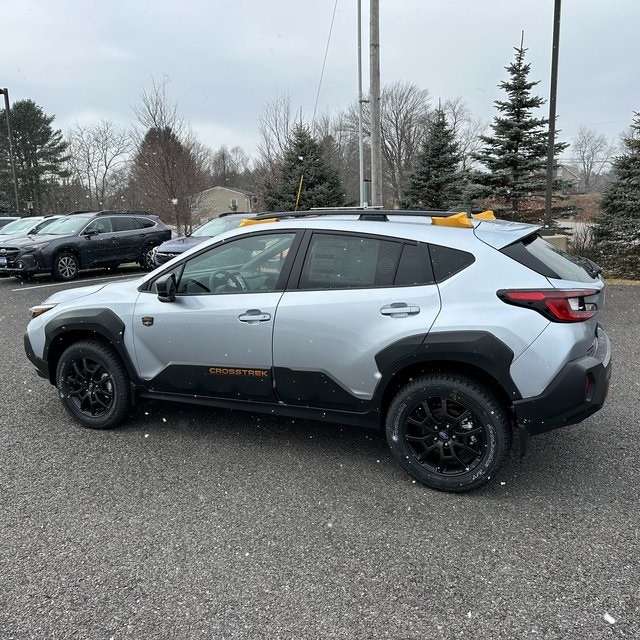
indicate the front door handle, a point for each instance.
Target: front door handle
{"x":400,"y":310}
{"x":254,"y":316}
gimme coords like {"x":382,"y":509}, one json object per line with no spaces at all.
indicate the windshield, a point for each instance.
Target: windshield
{"x":43,"y":226}
{"x":18,"y":226}
{"x":67,"y":226}
{"x":216,"y":226}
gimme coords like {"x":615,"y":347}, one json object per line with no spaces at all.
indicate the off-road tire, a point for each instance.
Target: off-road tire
{"x":448,"y":432}
{"x":93,"y":385}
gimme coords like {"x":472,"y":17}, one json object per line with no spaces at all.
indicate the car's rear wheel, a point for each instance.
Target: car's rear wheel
{"x":93,"y":385}
{"x":448,"y":432}
{"x":65,"y":266}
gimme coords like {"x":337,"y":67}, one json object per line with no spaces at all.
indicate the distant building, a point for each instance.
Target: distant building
{"x":570,"y":176}
{"x":212,"y":202}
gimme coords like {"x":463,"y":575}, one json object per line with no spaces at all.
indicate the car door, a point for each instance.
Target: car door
{"x":215,"y":338}
{"x":98,"y":242}
{"x":358,"y":303}
{"x":129,"y":238}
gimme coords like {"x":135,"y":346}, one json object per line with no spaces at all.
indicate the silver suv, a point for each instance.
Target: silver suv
{"x":447,"y":331}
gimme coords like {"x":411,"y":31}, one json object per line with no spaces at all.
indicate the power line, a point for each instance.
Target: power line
{"x":324,"y":62}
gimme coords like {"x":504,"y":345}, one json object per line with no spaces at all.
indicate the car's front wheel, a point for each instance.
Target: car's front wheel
{"x":93,"y":385}
{"x":65,"y":266}
{"x":448,"y":432}
{"x":146,"y":257}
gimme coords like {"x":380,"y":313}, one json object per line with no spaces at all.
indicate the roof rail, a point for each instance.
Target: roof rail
{"x":366,"y":213}
{"x":109,"y":212}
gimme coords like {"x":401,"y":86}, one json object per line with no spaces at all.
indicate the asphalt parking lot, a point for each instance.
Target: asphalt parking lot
{"x":197,"y":523}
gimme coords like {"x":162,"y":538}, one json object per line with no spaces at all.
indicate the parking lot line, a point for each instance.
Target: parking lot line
{"x":87,"y":282}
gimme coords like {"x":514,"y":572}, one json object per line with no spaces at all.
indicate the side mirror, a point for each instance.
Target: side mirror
{"x":166,"y":288}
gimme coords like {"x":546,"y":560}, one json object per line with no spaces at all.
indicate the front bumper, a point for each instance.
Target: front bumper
{"x":41,"y":366}
{"x":577,"y":392}
{"x":20,"y":264}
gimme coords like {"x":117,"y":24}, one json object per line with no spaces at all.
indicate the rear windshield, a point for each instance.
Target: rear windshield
{"x":547,"y":260}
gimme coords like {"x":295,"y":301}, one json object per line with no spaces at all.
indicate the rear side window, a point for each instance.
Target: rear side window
{"x":145,"y":223}
{"x":124,"y":224}
{"x":447,"y":261}
{"x":343,"y":261}
{"x":549,"y":261}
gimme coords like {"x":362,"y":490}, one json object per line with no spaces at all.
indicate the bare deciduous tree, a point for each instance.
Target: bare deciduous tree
{"x":591,"y":154}
{"x":275,"y":125}
{"x":169,"y":168}
{"x":466,"y":128}
{"x":99,"y":157}
{"x":230,"y":167}
{"x":404,"y":114}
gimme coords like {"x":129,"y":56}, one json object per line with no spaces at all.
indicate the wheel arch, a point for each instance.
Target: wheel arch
{"x":476,"y":355}
{"x":66,"y":249}
{"x":101,"y":325}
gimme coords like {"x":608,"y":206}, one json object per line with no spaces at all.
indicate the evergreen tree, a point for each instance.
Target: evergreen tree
{"x":436,"y":181}
{"x":617,"y":229}
{"x":303,"y":159}
{"x":515,"y":156}
{"x":39,"y":155}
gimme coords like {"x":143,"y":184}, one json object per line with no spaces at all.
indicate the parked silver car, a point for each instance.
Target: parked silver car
{"x":447,"y":331}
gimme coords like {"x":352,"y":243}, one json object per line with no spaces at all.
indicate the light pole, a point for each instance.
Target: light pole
{"x":555,"y":51}
{"x":5,"y":91}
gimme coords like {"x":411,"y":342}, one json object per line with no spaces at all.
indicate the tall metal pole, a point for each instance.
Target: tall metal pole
{"x":552,"y":113}
{"x":10,"y":138}
{"x":360,"y":104}
{"x":374,"y":105}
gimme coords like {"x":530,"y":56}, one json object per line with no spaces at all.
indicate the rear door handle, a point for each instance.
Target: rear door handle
{"x":400,"y":310}
{"x":254,"y":316}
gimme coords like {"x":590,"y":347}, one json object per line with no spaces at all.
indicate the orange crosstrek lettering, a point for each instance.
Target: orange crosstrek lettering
{"x":230,"y":371}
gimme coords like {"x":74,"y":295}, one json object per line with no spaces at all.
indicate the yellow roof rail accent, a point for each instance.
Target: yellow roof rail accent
{"x":248,"y":221}
{"x":458,"y":220}
{"x":485,"y":215}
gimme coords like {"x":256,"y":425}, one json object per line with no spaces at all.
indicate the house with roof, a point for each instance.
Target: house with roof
{"x":212,"y":202}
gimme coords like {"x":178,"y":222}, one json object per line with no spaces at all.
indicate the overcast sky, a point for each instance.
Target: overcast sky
{"x":82,"y":60}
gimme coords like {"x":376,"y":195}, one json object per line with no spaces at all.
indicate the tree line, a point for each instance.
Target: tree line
{"x":434,"y":157}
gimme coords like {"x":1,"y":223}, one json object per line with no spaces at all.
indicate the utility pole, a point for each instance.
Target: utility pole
{"x":5,"y":91}
{"x":552,"y":113}
{"x":363,"y":202}
{"x":374,"y":105}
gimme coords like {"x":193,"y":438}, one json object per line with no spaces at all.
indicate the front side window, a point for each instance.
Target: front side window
{"x":248,"y":264}
{"x":101,"y":225}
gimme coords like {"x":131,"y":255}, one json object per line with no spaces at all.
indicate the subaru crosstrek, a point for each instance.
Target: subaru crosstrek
{"x":449,"y":332}
{"x":84,"y":241}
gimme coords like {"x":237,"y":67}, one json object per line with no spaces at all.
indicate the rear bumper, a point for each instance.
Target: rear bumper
{"x":577,"y":392}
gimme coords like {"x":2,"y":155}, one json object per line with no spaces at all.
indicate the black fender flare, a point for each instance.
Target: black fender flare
{"x":102,"y":322}
{"x":479,"y":349}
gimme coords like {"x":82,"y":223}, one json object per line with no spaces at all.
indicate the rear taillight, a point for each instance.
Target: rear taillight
{"x":559,"y":305}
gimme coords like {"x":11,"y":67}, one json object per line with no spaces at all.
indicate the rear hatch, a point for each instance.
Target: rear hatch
{"x":576,"y":293}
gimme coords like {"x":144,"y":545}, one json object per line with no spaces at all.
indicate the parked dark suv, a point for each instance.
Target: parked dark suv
{"x":83,"y":241}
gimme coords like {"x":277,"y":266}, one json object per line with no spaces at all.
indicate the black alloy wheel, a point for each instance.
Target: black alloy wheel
{"x":93,"y":385}
{"x":448,"y":432}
